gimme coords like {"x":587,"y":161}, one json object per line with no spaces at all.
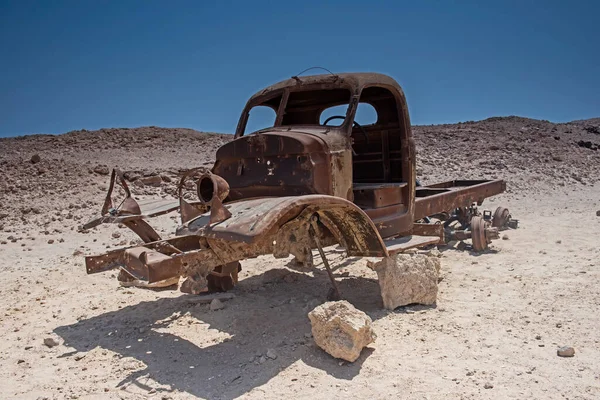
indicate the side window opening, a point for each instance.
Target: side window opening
{"x":340,"y":110}
{"x":365,"y":114}
{"x":260,"y":117}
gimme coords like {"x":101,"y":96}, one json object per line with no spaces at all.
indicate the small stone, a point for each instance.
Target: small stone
{"x":101,"y":170}
{"x":50,"y":342}
{"x":151,"y":180}
{"x":166,"y":178}
{"x":216,"y":305}
{"x":566,"y":351}
{"x":116,"y":235}
{"x":35,"y":159}
{"x":504,"y":237}
{"x":488,"y":385}
{"x":50,"y":241}
{"x":262,"y":360}
{"x":598,"y":213}
{"x":20,"y":361}
{"x":558,"y":241}
{"x":271,"y":354}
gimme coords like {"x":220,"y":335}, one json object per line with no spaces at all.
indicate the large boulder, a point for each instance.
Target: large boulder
{"x":407,"y":279}
{"x":340,"y":329}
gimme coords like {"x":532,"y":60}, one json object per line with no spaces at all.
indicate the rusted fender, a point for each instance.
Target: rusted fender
{"x":256,"y":220}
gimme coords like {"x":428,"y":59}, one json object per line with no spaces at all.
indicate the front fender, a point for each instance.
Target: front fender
{"x":255,"y":220}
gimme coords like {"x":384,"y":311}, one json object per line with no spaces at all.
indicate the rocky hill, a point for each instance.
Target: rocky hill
{"x":59,"y":173}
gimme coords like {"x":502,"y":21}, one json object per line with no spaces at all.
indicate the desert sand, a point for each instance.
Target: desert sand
{"x":494,"y":333}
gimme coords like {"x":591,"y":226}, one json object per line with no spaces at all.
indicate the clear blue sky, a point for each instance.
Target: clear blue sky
{"x":69,"y":65}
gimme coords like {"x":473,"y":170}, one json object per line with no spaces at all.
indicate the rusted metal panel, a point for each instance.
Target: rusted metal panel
{"x":378,"y":195}
{"x":454,"y":194}
{"x":276,"y":164}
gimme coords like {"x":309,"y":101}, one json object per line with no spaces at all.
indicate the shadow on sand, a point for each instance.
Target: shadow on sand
{"x":262,"y":316}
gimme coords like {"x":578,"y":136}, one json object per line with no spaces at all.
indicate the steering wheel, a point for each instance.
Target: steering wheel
{"x":362,"y":130}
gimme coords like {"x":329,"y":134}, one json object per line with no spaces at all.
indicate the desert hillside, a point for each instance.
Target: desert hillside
{"x":530,"y":155}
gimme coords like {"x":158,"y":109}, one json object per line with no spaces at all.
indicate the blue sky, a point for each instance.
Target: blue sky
{"x":69,"y":65}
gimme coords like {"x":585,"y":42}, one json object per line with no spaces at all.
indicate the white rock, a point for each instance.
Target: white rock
{"x":407,"y":279}
{"x":340,"y":329}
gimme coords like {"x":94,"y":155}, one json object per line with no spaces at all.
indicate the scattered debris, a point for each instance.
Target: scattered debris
{"x":407,"y":279}
{"x":341,"y":330}
{"x":566,"y":351}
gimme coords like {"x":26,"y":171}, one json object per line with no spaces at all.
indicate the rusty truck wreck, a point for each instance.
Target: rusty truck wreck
{"x":303,"y":183}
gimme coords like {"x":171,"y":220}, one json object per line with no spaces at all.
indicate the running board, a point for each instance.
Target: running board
{"x":401,"y":244}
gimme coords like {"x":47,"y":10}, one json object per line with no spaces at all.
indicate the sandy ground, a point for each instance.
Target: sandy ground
{"x":499,"y":319}
{"x":494,"y":332}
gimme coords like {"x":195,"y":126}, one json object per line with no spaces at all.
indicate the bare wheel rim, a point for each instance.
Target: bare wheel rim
{"x":500,"y":218}
{"x":478,"y":234}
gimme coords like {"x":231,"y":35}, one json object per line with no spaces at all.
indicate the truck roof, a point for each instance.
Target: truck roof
{"x":354,"y":81}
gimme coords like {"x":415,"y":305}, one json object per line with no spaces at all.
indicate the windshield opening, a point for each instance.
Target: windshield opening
{"x":305,"y":107}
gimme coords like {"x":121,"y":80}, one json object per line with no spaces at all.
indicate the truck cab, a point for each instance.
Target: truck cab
{"x":343,"y":135}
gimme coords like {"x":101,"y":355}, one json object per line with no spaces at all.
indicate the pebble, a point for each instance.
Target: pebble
{"x":488,"y":385}
{"x":504,"y":237}
{"x":116,"y":235}
{"x":598,"y":213}
{"x":102,"y":170}
{"x":35,"y":159}
{"x":50,"y":342}
{"x":566,"y":351}
{"x":50,"y":241}
{"x":271,"y":354}
{"x":216,"y":304}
